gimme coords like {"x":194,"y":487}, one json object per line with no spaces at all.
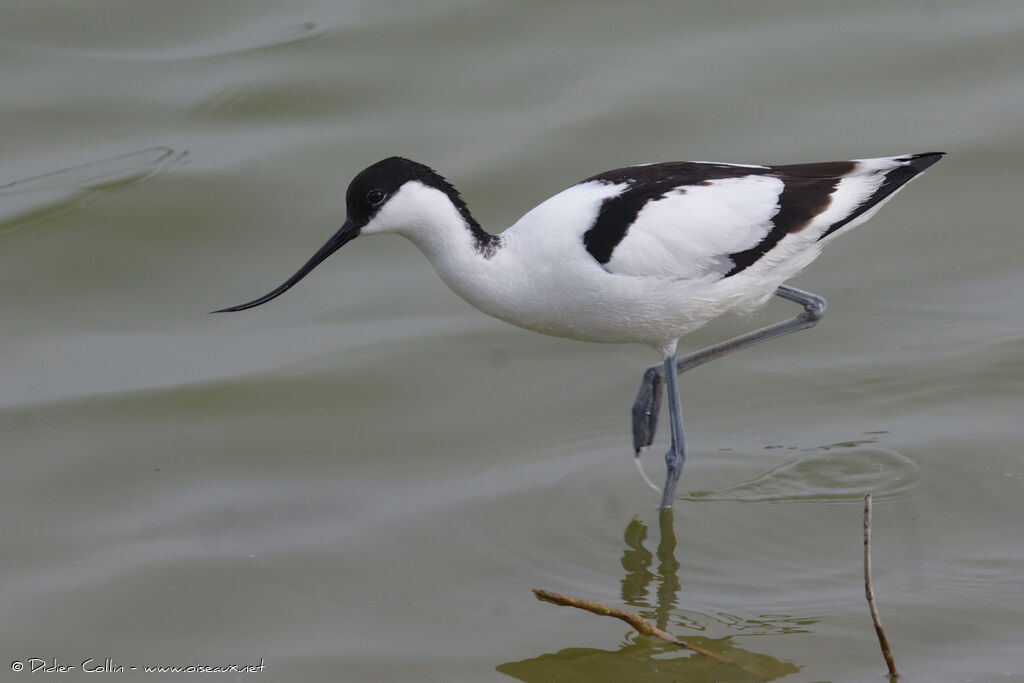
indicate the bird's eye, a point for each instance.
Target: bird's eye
{"x":375,"y":197}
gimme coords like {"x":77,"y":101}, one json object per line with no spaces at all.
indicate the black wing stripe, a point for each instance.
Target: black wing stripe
{"x":802,"y":199}
{"x":615,"y":216}
{"x":646,"y":184}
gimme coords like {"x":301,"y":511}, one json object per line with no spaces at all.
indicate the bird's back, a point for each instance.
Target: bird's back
{"x":664,"y":247}
{"x":694,"y":219}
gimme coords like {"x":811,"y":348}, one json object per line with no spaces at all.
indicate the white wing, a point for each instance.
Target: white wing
{"x":708,"y":221}
{"x":690,"y":232}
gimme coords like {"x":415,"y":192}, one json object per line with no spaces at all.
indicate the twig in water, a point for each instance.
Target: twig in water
{"x":642,"y":626}
{"x":870,"y":593}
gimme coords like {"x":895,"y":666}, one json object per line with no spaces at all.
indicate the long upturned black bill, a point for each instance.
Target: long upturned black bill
{"x":347,"y":232}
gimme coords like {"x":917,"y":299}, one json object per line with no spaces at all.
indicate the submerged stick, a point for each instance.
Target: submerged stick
{"x":870,"y":593}
{"x":642,"y":626}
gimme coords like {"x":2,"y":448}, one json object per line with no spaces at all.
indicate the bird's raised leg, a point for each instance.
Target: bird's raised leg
{"x":648,"y":399}
{"x":645,"y":408}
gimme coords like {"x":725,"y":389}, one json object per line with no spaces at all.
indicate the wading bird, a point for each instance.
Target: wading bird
{"x":639,"y":254}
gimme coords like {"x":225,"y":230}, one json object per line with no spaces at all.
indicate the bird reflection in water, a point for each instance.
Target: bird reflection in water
{"x":637,"y":560}
{"x":649,"y":659}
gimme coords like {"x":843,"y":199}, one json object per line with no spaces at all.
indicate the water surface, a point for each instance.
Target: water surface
{"x":364,"y":479}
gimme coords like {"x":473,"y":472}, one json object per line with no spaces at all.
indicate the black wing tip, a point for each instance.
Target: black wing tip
{"x":919,"y":162}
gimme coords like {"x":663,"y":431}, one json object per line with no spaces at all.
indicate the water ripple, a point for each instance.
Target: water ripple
{"x":838,"y":472}
{"x":124,"y":169}
{"x":26,"y":198}
{"x":241,"y":40}
{"x":244,"y":41}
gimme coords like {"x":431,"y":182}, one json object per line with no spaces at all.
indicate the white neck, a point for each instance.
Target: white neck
{"x":427,"y":217}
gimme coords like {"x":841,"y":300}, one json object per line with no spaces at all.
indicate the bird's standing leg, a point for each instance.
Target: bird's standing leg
{"x":676,"y":455}
{"x":648,"y":399}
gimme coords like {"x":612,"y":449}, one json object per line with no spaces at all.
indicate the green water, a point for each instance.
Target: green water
{"x":363,"y":480}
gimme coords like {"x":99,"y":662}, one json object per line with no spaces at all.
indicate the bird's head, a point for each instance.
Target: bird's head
{"x":395,"y":195}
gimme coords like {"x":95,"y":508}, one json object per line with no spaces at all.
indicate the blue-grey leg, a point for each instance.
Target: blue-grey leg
{"x":645,"y":408}
{"x":648,"y":399}
{"x":676,"y":455}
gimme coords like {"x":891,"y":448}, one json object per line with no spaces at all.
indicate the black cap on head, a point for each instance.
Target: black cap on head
{"x":375,"y":184}
{"x":367,"y":193}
